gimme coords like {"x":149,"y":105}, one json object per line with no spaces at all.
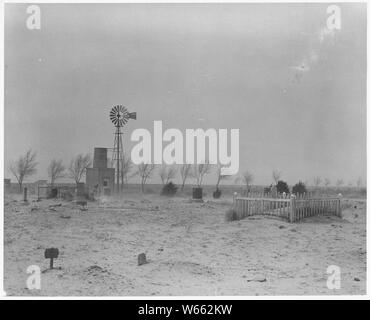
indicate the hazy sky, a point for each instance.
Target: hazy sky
{"x":296,"y":91}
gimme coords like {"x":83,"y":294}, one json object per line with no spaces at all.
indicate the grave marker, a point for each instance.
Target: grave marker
{"x":51,"y":253}
{"x":141,"y":259}
{"x":25,"y":194}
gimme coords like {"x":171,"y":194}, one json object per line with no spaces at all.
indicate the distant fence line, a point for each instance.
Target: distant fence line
{"x":59,"y":191}
{"x":292,"y":209}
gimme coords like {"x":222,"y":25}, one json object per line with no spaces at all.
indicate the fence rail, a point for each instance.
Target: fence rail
{"x":275,"y":195}
{"x":293,"y":209}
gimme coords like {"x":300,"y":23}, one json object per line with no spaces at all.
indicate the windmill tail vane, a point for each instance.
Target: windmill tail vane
{"x":132,"y":115}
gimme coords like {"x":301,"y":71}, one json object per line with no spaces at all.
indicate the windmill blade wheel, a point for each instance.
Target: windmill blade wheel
{"x":119,"y":115}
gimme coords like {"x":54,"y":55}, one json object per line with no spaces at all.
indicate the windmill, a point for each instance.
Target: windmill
{"x":119,"y":116}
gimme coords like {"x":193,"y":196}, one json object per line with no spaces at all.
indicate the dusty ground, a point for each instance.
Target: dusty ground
{"x":190,"y":248}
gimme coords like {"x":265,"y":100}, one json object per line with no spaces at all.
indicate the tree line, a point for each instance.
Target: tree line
{"x":25,"y":166}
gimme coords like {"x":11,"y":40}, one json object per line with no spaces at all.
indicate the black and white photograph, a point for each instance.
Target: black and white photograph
{"x":184,"y":149}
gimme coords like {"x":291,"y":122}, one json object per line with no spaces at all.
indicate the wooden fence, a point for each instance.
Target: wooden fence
{"x":65,"y":192}
{"x":293,"y":209}
{"x":269,"y":195}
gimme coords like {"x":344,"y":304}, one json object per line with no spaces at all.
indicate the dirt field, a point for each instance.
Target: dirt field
{"x":190,"y":248}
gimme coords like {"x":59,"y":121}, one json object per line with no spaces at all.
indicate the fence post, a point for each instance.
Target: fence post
{"x":234,"y":196}
{"x":236,"y":207}
{"x":292,"y":208}
{"x":339,"y":206}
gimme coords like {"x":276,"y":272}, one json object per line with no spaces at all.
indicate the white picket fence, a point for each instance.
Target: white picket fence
{"x":293,"y":209}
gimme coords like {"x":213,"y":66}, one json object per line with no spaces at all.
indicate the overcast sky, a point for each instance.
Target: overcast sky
{"x":296,"y":91}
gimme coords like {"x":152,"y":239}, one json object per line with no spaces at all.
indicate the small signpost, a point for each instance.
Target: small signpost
{"x":51,"y":253}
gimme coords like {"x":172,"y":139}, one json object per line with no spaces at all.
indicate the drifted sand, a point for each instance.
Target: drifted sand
{"x":190,"y":248}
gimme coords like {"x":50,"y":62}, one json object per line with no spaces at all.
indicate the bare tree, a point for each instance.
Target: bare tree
{"x":276,"y":175}
{"x":171,"y":172}
{"x":166,"y":173}
{"x":326,"y":182}
{"x":144,"y":171}
{"x":162,"y":173}
{"x":359,"y":182}
{"x":24,"y":167}
{"x":78,"y":165}
{"x":246,"y":178}
{"x":317,"y":181}
{"x":220,"y":176}
{"x":200,"y":171}
{"x":185,"y":172}
{"x":56,"y":170}
{"x":126,"y":167}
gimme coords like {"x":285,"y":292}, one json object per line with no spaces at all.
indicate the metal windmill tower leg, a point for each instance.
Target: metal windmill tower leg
{"x":119,"y":116}
{"x":117,"y":156}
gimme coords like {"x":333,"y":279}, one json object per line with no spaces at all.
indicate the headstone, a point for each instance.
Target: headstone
{"x":197,"y":193}
{"x":141,"y":259}
{"x":52,"y":193}
{"x":25,"y":194}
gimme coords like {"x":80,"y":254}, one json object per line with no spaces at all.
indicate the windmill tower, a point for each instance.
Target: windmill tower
{"x":119,"y":115}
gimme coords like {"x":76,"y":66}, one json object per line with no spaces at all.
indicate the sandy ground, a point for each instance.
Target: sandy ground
{"x":190,"y":248}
